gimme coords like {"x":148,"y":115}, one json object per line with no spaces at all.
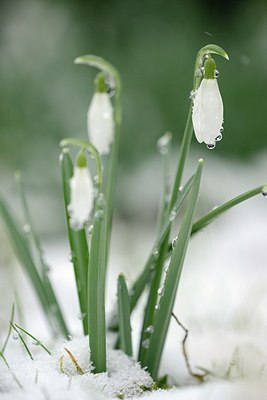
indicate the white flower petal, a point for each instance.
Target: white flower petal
{"x":207,"y":113}
{"x":81,"y":196}
{"x":100,"y":122}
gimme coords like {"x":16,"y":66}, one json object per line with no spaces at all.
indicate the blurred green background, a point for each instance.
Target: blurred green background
{"x":44,"y":96}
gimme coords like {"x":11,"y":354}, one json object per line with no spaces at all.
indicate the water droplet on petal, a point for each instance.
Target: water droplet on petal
{"x":216,"y":73}
{"x":27,"y":229}
{"x":211,"y":146}
{"x":150,"y":329}
{"x":15,"y":336}
{"x":145,"y":343}
{"x":157,"y":307}
{"x":70,"y":337}
{"x":218,"y":138}
{"x":221,"y":129}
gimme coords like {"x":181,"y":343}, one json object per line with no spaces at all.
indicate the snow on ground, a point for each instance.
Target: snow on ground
{"x":222,"y":297}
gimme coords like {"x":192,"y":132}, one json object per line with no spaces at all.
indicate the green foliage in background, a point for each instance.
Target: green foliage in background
{"x":43,"y":98}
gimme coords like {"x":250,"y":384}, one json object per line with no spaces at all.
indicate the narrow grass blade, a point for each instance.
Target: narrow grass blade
{"x":22,"y":341}
{"x":5,"y":345}
{"x":37,"y":341}
{"x":167,"y":298}
{"x":124,"y":317}
{"x":22,"y":251}
{"x":96,"y":288}
{"x":218,"y":211}
{"x":78,"y":242}
{"x":39,"y":262}
{"x":9,"y":330}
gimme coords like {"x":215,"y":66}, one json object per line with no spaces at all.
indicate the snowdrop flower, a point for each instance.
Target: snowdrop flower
{"x":100,"y":124}
{"x":81,"y":194}
{"x":207,"y":114}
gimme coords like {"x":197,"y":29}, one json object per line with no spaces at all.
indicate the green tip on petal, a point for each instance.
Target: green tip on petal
{"x":209,"y":69}
{"x":100,"y":83}
{"x":81,"y":160}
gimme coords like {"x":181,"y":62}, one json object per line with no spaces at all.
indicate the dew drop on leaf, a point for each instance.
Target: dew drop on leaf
{"x":150,"y":329}
{"x":145,"y":343}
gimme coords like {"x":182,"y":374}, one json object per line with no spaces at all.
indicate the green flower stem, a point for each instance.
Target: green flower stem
{"x":97,"y":294}
{"x":111,"y":71}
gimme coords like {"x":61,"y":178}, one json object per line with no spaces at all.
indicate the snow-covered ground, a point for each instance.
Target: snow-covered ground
{"x":222,"y":297}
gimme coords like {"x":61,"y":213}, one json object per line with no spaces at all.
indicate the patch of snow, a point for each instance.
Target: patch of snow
{"x":56,"y":377}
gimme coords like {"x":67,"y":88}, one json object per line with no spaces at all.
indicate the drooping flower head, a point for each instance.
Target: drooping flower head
{"x":207,"y":113}
{"x":100,"y":123}
{"x":81,"y":194}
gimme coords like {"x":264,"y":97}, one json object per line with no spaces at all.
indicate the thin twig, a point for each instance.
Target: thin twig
{"x":75,"y":362}
{"x":199,"y":377}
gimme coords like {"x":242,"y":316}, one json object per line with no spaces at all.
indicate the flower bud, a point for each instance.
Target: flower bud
{"x":81,"y":194}
{"x":100,"y":124}
{"x":207,"y":116}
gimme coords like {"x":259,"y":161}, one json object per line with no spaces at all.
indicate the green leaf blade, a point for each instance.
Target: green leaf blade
{"x":218,"y":211}
{"x":124,"y":317}
{"x":24,"y":256}
{"x":96,"y":288}
{"x":163,"y":315}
